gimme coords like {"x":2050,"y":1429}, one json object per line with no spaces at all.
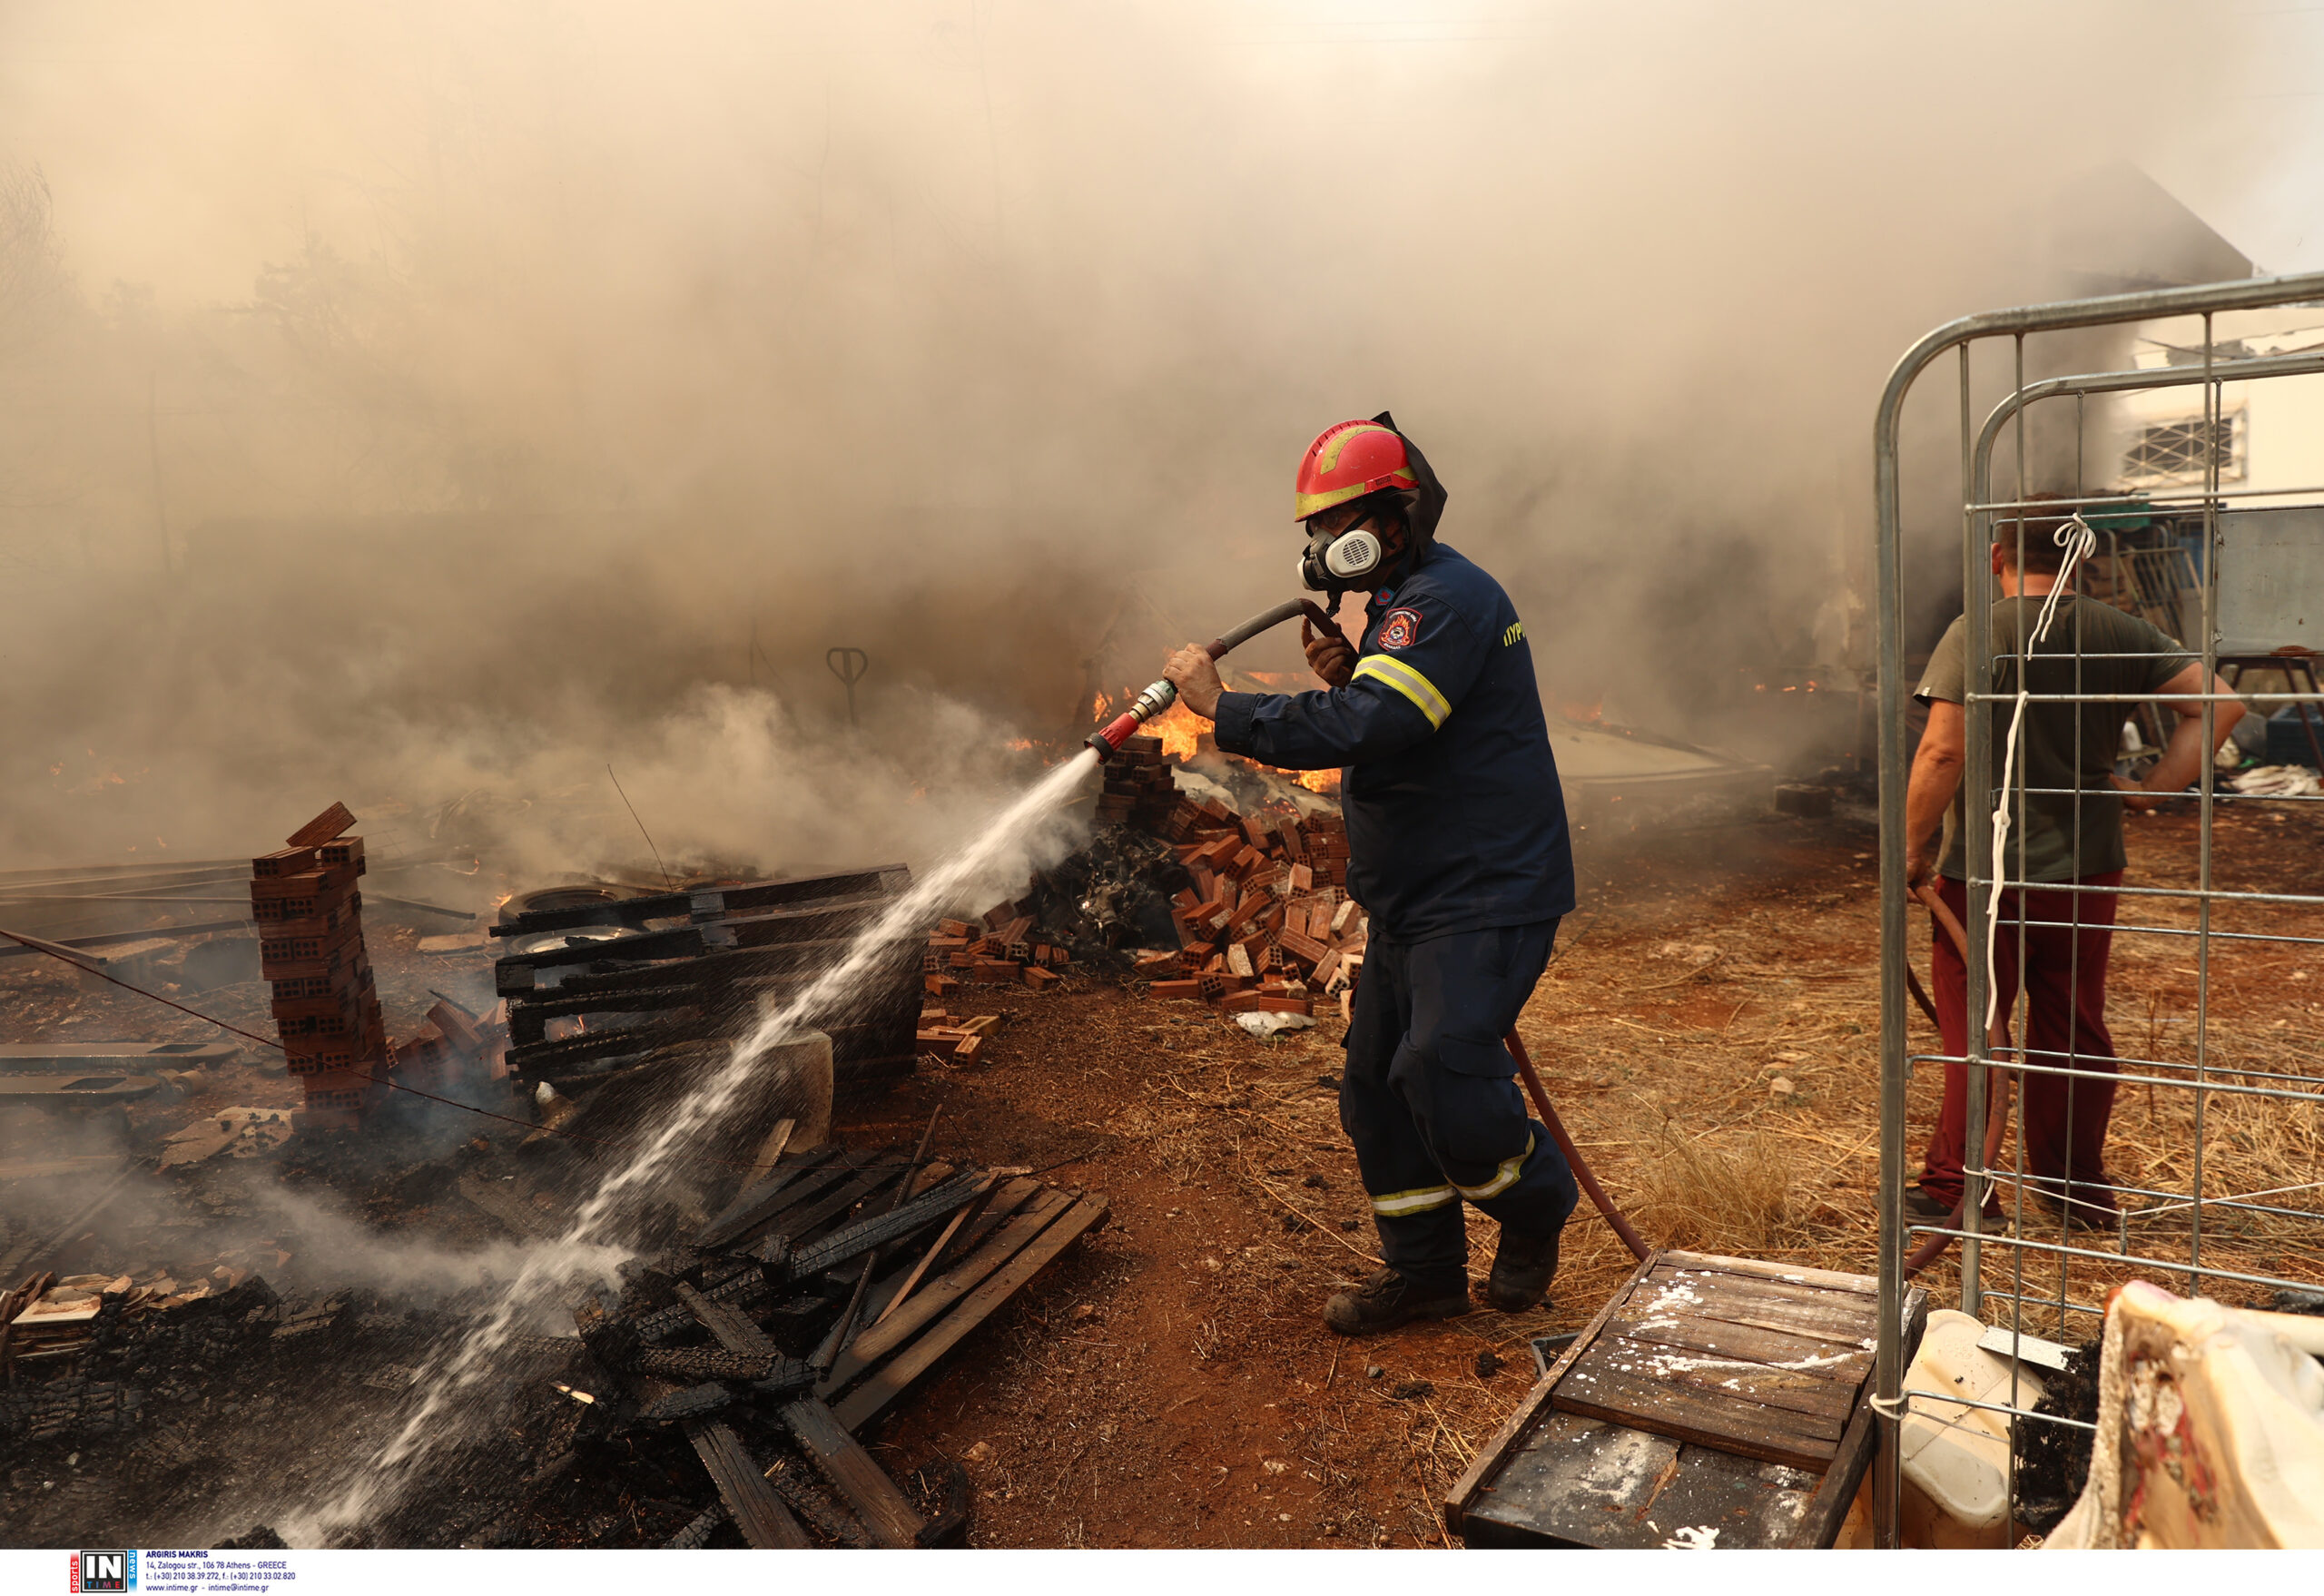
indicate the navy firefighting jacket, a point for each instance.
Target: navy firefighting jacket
{"x":1455,"y":821}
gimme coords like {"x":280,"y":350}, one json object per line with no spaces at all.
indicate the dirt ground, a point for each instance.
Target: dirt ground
{"x":1708,"y":1030}
{"x":1715,"y":996}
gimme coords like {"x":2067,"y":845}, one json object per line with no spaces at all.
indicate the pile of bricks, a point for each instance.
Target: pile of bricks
{"x":326,"y":1003}
{"x":997,"y":952}
{"x":1267,"y":925}
{"x":944,"y":1034}
{"x":1141,"y":789}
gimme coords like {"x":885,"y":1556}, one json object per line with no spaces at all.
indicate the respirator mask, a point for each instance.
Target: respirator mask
{"x":1334,"y":561}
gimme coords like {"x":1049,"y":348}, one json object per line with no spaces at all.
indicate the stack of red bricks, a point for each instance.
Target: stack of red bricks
{"x":1267,"y":925}
{"x":999,"y":952}
{"x":1141,"y":787}
{"x":326,"y":1003}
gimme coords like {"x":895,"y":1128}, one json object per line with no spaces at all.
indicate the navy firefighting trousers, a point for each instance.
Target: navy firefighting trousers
{"x":1431,"y":1100}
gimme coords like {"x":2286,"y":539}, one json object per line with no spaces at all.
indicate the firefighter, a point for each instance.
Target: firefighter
{"x":1458,"y":852}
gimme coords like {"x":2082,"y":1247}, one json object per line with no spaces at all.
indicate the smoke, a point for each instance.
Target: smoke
{"x":427,"y":407}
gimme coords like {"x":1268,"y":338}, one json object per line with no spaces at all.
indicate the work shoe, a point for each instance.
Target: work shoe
{"x":1928,"y":1208}
{"x":1924,"y":1208}
{"x":1523,"y":1267}
{"x":1386,"y":1301}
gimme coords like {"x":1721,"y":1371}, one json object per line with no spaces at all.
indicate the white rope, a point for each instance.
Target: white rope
{"x":2078,"y":540}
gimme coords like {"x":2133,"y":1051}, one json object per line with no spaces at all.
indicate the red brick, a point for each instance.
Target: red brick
{"x":1264,"y":1003}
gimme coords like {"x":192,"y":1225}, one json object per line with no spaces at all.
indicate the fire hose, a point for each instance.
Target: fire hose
{"x":1108,"y":741}
{"x":1109,"y":738}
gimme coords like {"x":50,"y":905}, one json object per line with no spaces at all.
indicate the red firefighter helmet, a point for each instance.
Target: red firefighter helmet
{"x":1348,"y":462}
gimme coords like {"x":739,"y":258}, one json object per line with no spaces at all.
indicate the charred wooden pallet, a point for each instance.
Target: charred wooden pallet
{"x":750,"y":1349}
{"x":649,"y":978}
{"x":1713,"y":1402}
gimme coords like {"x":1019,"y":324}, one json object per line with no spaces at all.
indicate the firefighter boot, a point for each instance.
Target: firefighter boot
{"x":1388,"y":1300}
{"x":1522,"y":1266}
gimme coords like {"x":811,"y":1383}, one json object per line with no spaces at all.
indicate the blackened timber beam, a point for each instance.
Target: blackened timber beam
{"x":727,"y":1324}
{"x":887,"y":881}
{"x":798,"y":1226}
{"x":765,"y":1199}
{"x":858,"y":1477}
{"x":765,"y":1522}
{"x":852,"y":1241}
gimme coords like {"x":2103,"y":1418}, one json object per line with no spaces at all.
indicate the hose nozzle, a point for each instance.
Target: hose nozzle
{"x":1108,"y":739}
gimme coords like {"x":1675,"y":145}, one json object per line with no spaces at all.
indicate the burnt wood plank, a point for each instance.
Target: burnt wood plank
{"x":1748,"y":1429}
{"x":795,"y":1225}
{"x":765,"y":1199}
{"x":1802,"y":1391}
{"x":894,"y":1292}
{"x":937,"y":1296}
{"x":1581,"y":1482}
{"x":727,"y":1325}
{"x":1504,"y":1442}
{"x":886,"y":880}
{"x":871,"y":1398}
{"x":1719,"y":1285}
{"x":765,"y":1522}
{"x":776,"y":1207}
{"x":1784,"y":1274}
{"x":1732,"y":1301}
{"x":854,"y":1471}
{"x":854,"y":1239}
{"x":1747,"y":1342}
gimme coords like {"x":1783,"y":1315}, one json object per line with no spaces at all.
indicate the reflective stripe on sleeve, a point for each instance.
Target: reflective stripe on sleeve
{"x":1418,"y":1201}
{"x":1502,"y":1179}
{"x":1409,"y":681}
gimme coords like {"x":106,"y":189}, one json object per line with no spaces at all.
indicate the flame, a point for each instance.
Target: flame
{"x":1327,"y":782}
{"x":1180,"y":730}
{"x":1593,"y":711}
{"x":1021,"y":745}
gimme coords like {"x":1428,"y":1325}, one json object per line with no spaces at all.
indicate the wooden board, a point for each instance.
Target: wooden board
{"x":852,"y":1470}
{"x":1634,"y":1433}
{"x":1587,"y":1483}
{"x":765,"y":1522}
{"x":728,"y":1327}
{"x":870,"y":1399}
{"x":1778,"y":1383}
{"x":934,"y":1298}
{"x":788,"y":1183}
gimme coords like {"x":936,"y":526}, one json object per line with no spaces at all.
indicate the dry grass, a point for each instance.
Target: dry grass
{"x":1706,"y":1196}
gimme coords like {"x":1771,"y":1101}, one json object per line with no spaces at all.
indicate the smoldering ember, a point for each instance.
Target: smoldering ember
{"x":1239,"y":776}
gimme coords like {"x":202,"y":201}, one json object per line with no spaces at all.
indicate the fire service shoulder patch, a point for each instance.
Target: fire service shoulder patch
{"x":1400,"y":628}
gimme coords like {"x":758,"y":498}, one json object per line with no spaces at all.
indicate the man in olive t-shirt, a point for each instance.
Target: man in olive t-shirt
{"x":2071,"y":835}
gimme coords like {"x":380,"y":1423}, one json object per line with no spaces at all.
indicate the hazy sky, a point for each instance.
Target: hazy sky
{"x":943,"y":327}
{"x":252,"y":158}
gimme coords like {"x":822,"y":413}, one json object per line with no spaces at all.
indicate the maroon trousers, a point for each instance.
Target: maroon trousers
{"x":2064,"y":978}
